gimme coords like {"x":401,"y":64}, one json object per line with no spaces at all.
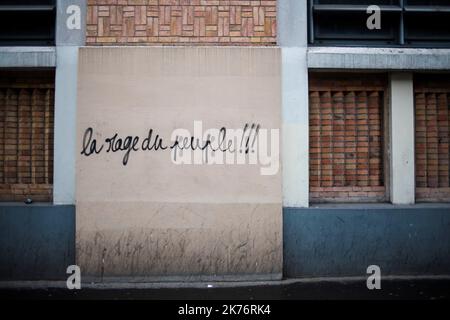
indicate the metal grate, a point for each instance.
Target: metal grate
{"x":27,"y":22}
{"x":410,"y":23}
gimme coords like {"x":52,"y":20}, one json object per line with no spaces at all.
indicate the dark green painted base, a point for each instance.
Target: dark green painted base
{"x":37,"y":242}
{"x":337,"y":241}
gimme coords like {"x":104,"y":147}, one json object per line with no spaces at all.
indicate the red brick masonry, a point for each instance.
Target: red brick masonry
{"x":346,"y":138}
{"x":181,"y":22}
{"x":26,"y":136}
{"x":432,"y":110}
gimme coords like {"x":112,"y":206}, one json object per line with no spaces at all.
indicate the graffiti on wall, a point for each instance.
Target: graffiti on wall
{"x":251,"y":144}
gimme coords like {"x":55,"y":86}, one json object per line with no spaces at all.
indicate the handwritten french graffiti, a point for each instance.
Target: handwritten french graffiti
{"x":226,"y":140}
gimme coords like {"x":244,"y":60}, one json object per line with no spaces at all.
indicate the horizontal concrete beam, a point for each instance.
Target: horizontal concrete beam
{"x":378,"y":58}
{"x":27,"y":57}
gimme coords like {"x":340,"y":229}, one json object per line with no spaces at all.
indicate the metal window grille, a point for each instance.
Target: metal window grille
{"x":26,"y":22}
{"x":405,"y":23}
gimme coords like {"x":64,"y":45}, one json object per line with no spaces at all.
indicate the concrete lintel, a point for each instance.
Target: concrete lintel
{"x":27,"y":57}
{"x":378,"y":58}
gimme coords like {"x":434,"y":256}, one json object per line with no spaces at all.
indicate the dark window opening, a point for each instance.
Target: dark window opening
{"x":27,"y":23}
{"x":407,"y":23}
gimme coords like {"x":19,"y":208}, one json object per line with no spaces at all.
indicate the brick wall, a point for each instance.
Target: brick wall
{"x":181,"y":22}
{"x":26,"y":136}
{"x":346,"y":138}
{"x":432,"y":111}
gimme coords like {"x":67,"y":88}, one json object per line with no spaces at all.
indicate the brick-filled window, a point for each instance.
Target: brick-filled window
{"x":346,"y":138}
{"x":26,"y":136}
{"x":432,"y":113}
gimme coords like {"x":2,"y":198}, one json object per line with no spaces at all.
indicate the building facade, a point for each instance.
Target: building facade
{"x":360,"y":113}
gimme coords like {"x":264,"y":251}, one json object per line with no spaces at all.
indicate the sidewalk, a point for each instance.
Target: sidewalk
{"x":425,"y":288}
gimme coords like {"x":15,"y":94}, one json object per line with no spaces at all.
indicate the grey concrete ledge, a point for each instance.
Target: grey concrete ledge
{"x":263,"y":278}
{"x":27,"y":57}
{"x":43,"y":284}
{"x":22,"y":204}
{"x":378,"y":58}
{"x":378,"y":206}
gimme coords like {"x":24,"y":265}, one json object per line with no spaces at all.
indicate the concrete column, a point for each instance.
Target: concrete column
{"x":65,"y":125}
{"x":292,"y":38}
{"x":70,"y":34}
{"x":402,"y":171}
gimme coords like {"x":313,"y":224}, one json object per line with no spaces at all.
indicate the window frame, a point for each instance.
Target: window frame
{"x":401,"y":11}
{"x":43,"y":9}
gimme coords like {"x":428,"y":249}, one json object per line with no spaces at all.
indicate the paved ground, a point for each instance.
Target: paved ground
{"x":391,"y":289}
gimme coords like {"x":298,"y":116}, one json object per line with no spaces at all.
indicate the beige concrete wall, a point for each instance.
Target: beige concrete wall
{"x":153,"y":218}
